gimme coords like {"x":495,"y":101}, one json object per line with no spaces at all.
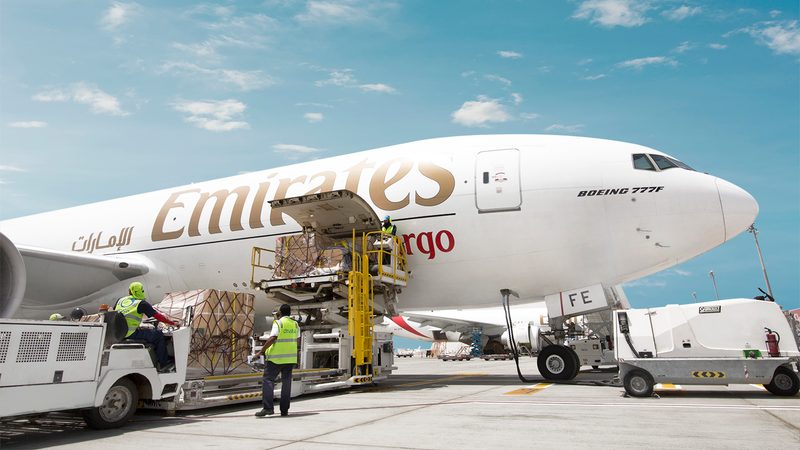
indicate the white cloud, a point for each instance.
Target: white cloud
{"x":716,"y":46}
{"x":340,"y":12}
{"x":345,"y":78}
{"x":645,"y":282}
{"x":240,"y":80}
{"x":498,"y":78}
{"x":338,"y":77}
{"x":594,"y":77}
{"x":613,"y":13}
{"x":585,"y":61}
{"x":682,"y":12}
{"x":774,"y":13}
{"x":211,"y":115}
{"x":641,"y":63}
{"x":561,"y":128}
{"x":481,"y":112}
{"x":783,"y":37}
{"x":209,"y":49}
{"x":683,"y":273}
{"x":119,"y":14}
{"x":516,"y":98}
{"x":28,"y":124}
{"x":683,"y":47}
{"x":318,"y":105}
{"x":377,"y":87}
{"x":294,"y":151}
{"x":99,"y":102}
{"x":53,"y":95}
{"x":313,"y":117}
{"x":529,"y":116}
{"x":6,"y":168}
{"x":509,"y":54}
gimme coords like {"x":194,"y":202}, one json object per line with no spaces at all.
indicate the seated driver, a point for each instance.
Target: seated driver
{"x":134,"y":307}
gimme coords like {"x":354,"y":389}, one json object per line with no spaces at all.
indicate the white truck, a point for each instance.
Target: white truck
{"x":711,"y":343}
{"x":50,"y":366}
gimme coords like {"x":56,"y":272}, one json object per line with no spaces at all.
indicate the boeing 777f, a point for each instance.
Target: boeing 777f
{"x":537,"y":214}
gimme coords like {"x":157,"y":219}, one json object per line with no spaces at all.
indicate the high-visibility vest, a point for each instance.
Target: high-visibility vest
{"x":129,"y":307}
{"x":391,"y":229}
{"x":284,"y":349}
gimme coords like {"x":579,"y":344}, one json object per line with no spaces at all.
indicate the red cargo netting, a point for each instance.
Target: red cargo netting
{"x":221,"y":327}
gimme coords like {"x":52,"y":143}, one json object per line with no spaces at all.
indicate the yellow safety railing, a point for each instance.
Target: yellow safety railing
{"x":257,"y":262}
{"x":388,"y":253}
{"x":360,"y":300}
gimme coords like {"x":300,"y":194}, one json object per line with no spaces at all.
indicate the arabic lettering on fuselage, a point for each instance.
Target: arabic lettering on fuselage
{"x":92,"y":243}
{"x":385,"y":175}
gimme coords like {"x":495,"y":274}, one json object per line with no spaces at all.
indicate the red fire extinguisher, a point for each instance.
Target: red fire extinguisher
{"x":773,"y":339}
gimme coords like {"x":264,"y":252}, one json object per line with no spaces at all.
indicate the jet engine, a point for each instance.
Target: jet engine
{"x":12,"y":277}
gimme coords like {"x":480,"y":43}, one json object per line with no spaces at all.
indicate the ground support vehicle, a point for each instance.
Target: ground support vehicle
{"x":713,"y":343}
{"x":48,"y":366}
{"x":341,"y":276}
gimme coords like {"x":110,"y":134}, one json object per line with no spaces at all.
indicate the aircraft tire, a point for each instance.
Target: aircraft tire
{"x":119,"y":405}
{"x":784,"y":382}
{"x":638,"y":383}
{"x":557,"y":362}
{"x":577,"y":363}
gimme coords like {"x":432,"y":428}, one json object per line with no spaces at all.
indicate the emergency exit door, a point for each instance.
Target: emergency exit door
{"x":497,"y":181}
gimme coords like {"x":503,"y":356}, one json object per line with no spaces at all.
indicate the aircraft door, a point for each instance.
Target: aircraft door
{"x":497,"y":181}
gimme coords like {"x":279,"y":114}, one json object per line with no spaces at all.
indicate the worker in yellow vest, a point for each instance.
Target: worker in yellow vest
{"x":134,"y":307}
{"x":281,"y":352}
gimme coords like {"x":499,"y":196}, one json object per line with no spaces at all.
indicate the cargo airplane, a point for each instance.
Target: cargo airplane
{"x":535,"y":213}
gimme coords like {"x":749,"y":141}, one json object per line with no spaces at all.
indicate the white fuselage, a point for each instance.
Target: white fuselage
{"x":537,"y":214}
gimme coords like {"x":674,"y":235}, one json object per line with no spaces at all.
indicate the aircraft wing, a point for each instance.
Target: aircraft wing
{"x":462,"y":326}
{"x":57,"y":279}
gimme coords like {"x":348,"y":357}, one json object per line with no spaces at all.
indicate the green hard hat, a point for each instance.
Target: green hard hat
{"x":56,"y":316}
{"x":137,"y":290}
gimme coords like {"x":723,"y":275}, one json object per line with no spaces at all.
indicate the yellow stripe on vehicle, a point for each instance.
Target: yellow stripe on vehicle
{"x":707,"y":374}
{"x":243,"y":396}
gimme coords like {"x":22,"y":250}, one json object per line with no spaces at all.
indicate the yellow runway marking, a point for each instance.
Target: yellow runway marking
{"x":531,"y":390}
{"x":759,"y":386}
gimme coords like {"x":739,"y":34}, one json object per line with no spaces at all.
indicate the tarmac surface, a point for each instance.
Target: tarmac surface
{"x":432,"y":404}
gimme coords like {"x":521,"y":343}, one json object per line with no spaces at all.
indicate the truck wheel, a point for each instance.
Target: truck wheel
{"x":784,"y":382}
{"x":119,"y":405}
{"x":557,"y":362}
{"x":638,"y":383}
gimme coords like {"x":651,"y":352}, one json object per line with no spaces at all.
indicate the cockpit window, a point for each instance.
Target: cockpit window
{"x":642,"y":162}
{"x":680,"y":164}
{"x":663,"y":162}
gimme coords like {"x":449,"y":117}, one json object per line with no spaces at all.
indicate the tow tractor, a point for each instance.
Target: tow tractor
{"x":329,"y":273}
{"x":50,"y":366}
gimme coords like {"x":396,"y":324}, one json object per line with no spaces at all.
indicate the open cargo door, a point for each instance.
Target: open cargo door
{"x":335,"y":214}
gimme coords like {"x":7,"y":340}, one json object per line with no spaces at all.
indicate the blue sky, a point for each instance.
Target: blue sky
{"x":102,"y":99}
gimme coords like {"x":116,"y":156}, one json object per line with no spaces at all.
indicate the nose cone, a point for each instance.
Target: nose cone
{"x":739,"y":208}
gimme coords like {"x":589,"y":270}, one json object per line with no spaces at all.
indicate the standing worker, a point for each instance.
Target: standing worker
{"x":281,"y":351}
{"x":133,"y":307}
{"x":388,"y":227}
{"x":387,"y":243}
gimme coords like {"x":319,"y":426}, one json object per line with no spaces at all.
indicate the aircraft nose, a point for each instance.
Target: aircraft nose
{"x":739,"y":208}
